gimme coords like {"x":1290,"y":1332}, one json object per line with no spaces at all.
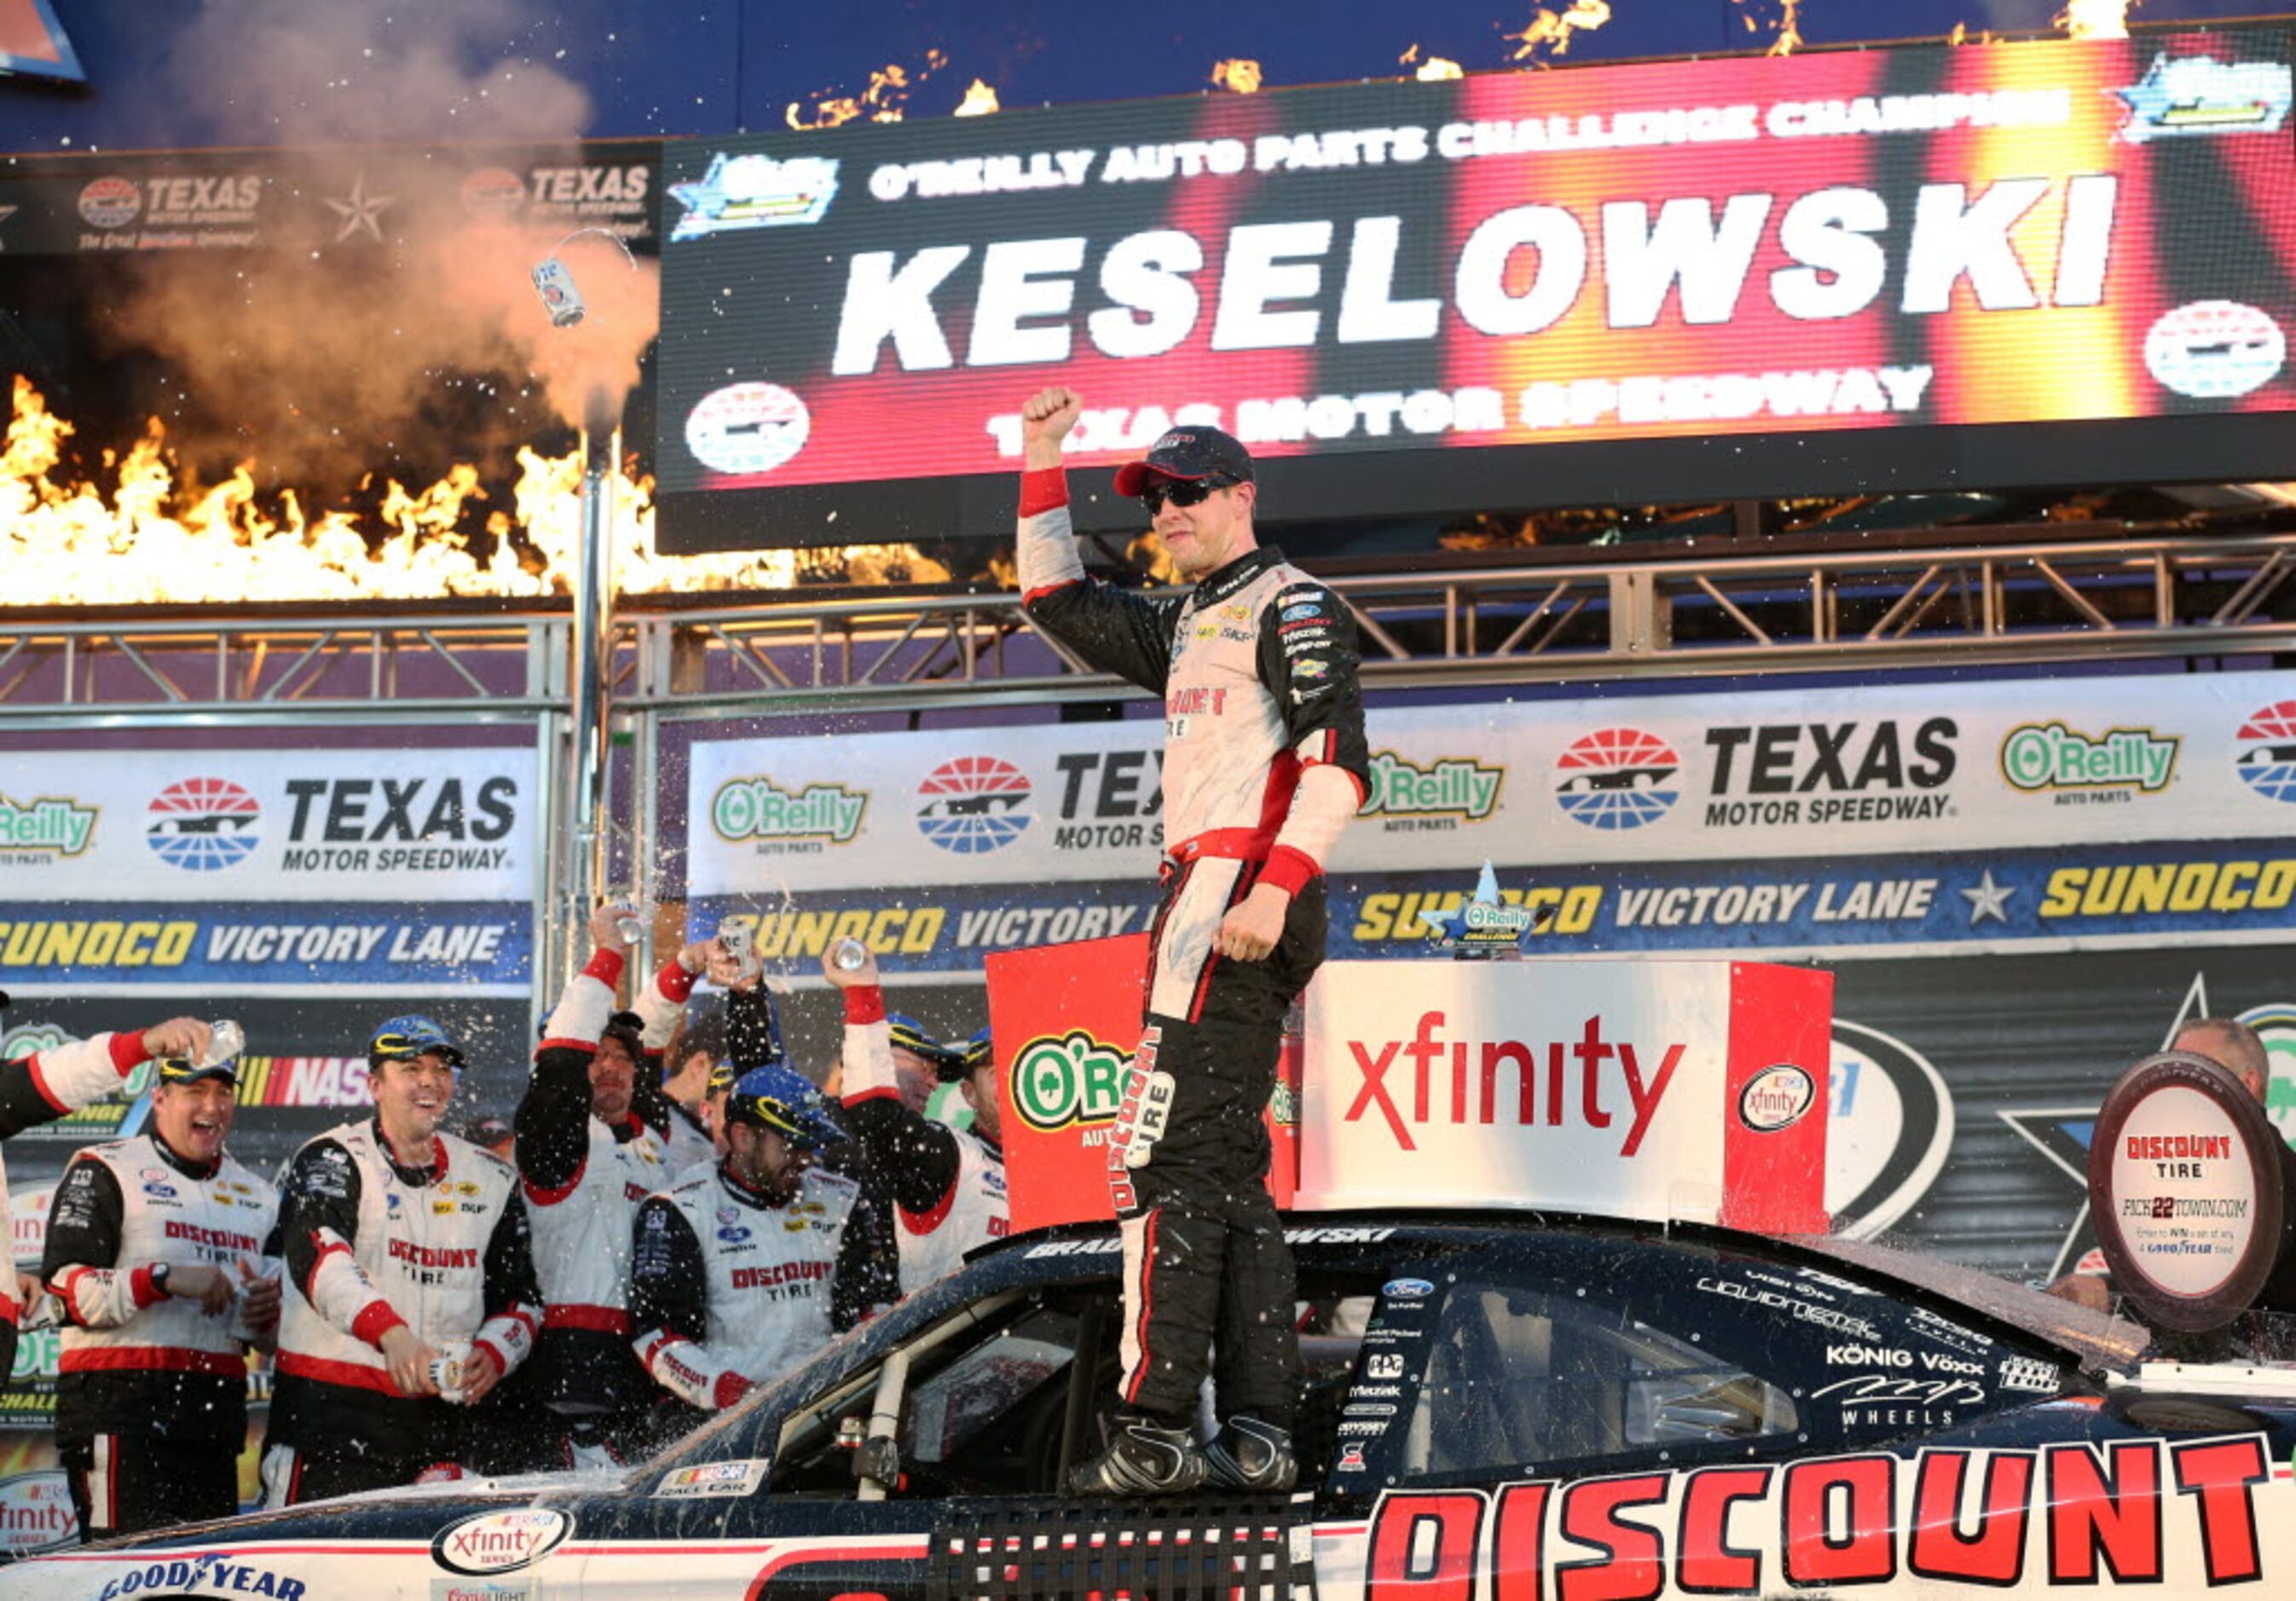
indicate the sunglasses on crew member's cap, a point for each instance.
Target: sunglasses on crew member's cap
{"x":1180,"y":492}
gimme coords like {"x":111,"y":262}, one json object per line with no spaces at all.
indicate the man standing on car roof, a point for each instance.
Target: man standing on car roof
{"x":158,"y":1248}
{"x":1265,"y":766}
{"x":406,"y":1249}
{"x":947,"y":1184}
{"x":745,"y":1266}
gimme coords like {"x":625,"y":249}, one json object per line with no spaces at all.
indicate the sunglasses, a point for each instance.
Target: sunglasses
{"x":1181,"y":492}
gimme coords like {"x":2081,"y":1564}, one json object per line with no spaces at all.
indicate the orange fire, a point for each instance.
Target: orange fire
{"x":1548,"y":32}
{"x":979,"y":101}
{"x":2094,"y":19}
{"x":884,"y":100}
{"x":1237,"y":77}
{"x":1433,"y":67}
{"x":155,"y":534}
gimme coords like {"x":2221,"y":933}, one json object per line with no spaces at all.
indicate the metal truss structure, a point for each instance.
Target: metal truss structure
{"x":2087,"y":593}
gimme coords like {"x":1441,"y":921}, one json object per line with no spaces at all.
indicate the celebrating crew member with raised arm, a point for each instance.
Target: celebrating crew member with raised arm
{"x":947,"y":1185}
{"x":591,"y":1144}
{"x":410,"y":1291}
{"x":156,"y":1249}
{"x":1264,"y":765}
{"x":46,"y":1085}
{"x":752,"y":1264}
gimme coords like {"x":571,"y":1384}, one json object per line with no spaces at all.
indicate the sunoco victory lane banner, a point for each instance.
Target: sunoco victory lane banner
{"x":267,"y":870}
{"x":1926,"y":816}
{"x":1764,"y":249}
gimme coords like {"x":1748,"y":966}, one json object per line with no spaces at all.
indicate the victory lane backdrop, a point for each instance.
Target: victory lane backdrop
{"x":1740,"y":264}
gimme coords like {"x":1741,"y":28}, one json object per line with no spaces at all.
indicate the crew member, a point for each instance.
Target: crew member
{"x":947,"y":1185}
{"x":750,"y":1265}
{"x":408,"y":1263}
{"x":46,"y":1085}
{"x":1264,"y":765}
{"x":155,"y":1251}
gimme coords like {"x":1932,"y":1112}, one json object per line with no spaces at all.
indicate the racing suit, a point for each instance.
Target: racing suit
{"x":729,"y":1287}
{"x":1257,"y":667}
{"x":39,"y":1088}
{"x":152,"y":1403}
{"x":947,"y":1184}
{"x":583,"y":1180}
{"x":372,"y":1244}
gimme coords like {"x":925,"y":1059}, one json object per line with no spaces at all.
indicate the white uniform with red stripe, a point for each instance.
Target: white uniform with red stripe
{"x":419,"y":1258}
{"x":975,"y":1211}
{"x":56,"y":1082}
{"x":119,"y":1321}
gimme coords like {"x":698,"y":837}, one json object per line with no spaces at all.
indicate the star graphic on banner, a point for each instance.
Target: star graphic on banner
{"x":1988,"y":899}
{"x":2062,"y":1134}
{"x":361,"y":212}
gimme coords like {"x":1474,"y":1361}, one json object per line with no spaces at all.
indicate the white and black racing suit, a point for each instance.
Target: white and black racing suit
{"x":151,"y":1401}
{"x":947,"y":1184}
{"x":372,"y":1244}
{"x":1257,"y":667}
{"x":39,"y":1088}
{"x":729,"y":1288}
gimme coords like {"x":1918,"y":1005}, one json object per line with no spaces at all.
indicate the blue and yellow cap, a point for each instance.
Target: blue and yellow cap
{"x":784,"y":1100}
{"x":404,"y":1038}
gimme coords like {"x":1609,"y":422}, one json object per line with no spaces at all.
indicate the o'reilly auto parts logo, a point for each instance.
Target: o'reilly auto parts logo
{"x":1882,"y":770}
{"x":2267,"y":763}
{"x":1616,"y":778}
{"x":975,"y":804}
{"x":779,"y":821}
{"x":2082,"y":769}
{"x":417,"y":824}
{"x":1450,"y":791}
{"x":1059,"y":1079}
{"x":49,"y":829}
{"x":203,"y":824}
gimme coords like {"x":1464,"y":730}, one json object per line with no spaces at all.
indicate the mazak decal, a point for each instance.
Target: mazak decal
{"x":1616,"y":778}
{"x":1450,"y":791}
{"x":50,"y":828}
{"x":2139,"y":1512}
{"x":2267,"y":763}
{"x":500,"y":1542}
{"x":812,"y":819}
{"x":1822,"y":775}
{"x":203,"y":824}
{"x":972,"y":805}
{"x":2077,"y":768}
{"x":1068,"y":1078}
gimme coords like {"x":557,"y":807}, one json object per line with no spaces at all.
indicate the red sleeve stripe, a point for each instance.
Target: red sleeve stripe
{"x":526,"y":1317}
{"x":129,"y":1053}
{"x":865,"y":1004}
{"x":674,"y":982}
{"x":1042,"y":489}
{"x":551,"y":1197}
{"x":589,"y":1047}
{"x":1042,"y":590}
{"x":925,"y":1222}
{"x":1290,"y":869}
{"x":885,"y":1093}
{"x":654,"y":1347}
{"x":502,"y":1363}
{"x":142,"y":1290}
{"x":319,"y":1262}
{"x":606,"y":966}
{"x":375,"y":1320}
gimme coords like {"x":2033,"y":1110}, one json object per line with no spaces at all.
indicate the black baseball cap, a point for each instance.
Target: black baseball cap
{"x":1194,"y":452}
{"x":184,"y":1069}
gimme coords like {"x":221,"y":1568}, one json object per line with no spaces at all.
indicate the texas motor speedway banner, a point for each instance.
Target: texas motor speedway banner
{"x":267,"y":871}
{"x":2062,"y":814}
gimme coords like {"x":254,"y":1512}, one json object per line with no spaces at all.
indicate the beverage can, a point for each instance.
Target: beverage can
{"x":851,"y":955}
{"x":560,"y":297}
{"x":446,"y":1366}
{"x":226,"y":1042}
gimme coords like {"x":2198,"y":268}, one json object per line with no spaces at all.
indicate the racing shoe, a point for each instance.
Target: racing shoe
{"x":1250,"y":1455}
{"x":1142,"y":1458}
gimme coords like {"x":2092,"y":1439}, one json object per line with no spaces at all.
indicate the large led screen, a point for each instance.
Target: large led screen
{"x":2003,"y":264}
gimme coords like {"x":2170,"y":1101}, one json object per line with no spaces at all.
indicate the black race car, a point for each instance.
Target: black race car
{"x":1501,"y":1406}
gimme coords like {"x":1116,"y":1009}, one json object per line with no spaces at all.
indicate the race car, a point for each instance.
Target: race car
{"x":1501,"y":1406}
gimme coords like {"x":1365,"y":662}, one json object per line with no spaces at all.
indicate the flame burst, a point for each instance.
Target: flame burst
{"x":1237,"y":76}
{"x":2094,"y":19}
{"x":1548,"y":32}
{"x":1787,"y":39}
{"x":979,"y":101}
{"x":1433,"y":67}
{"x":884,"y":100}
{"x":156,"y":535}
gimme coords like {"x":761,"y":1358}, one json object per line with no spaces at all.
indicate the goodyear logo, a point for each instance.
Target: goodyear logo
{"x":757,"y":808}
{"x":2051,"y":756}
{"x":1455,"y":787}
{"x":1059,"y":1079}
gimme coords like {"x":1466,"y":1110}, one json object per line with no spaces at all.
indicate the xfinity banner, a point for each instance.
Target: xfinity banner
{"x":1850,"y":248}
{"x":267,"y":871}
